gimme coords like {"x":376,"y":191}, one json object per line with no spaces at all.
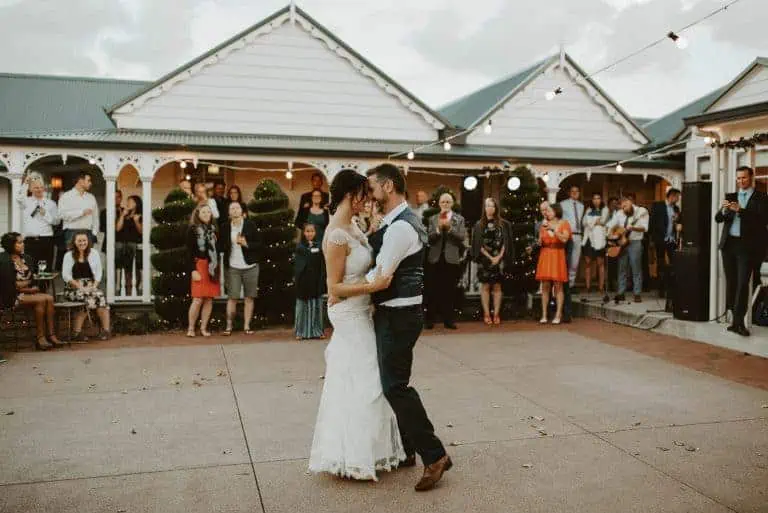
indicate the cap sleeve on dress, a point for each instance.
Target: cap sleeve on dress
{"x":338,"y":237}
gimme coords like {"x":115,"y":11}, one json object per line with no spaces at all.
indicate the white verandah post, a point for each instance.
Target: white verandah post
{"x":109,"y":230}
{"x":146,"y":219}
{"x":714,"y":260}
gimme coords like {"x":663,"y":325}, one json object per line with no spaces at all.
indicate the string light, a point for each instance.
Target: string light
{"x":188,"y":177}
{"x":411,"y":155}
{"x":289,"y":175}
{"x":680,"y":41}
{"x":447,"y":146}
{"x":488,"y":128}
{"x":545,"y":177}
{"x":92,"y":161}
{"x":470,"y":183}
{"x":213,"y":169}
{"x":619,"y":168}
{"x":513,"y":183}
{"x":183,"y":164}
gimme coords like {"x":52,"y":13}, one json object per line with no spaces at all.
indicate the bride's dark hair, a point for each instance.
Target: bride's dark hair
{"x":346,"y":181}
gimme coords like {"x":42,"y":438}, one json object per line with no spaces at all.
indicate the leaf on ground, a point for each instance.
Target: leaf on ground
{"x":221,"y":373}
{"x":124,"y":392}
{"x":226,"y":451}
{"x":635,"y":454}
{"x":678,"y":443}
{"x":49,"y":380}
{"x":449,"y":425}
{"x":133,"y":431}
{"x":665,"y":449}
{"x":764,"y":406}
{"x":527,"y":465}
{"x":636,"y":423}
{"x":10,"y":412}
{"x":456,"y":443}
{"x":691,"y":448}
{"x":534,"y":417}
{"x":197,"y":383}
{"x":115,"y":421}
{"x":87,"y":361}
{"x":176,"y":380}
{"x":495,"y":406}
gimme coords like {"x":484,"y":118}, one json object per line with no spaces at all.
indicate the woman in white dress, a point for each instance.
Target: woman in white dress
{"x":356,"y":431}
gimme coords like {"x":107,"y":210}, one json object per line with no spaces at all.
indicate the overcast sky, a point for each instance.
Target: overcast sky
{"x":438,"y":49}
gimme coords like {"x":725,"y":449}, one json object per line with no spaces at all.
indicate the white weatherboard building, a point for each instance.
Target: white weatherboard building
{"x":288,"y":94}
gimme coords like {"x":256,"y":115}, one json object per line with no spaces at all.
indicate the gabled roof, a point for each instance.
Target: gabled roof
{"x":238,"y":39}
{"x":475,"y":108}
{"x":669,"y":127}
{"x":468,"y":110}
{"x":43,"y":102}
{"x":759,"y":61}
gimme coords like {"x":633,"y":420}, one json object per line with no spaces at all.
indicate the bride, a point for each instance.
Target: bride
{"x":356,"y":431}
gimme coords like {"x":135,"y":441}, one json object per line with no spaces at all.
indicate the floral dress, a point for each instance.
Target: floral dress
{"x":93,"y":297}
{"x":493,"y":242}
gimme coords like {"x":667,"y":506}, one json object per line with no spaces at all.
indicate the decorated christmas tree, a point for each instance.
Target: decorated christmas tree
{"x":274,"y":220}
{"x":171,"y":286}
{"x":520,"y":207}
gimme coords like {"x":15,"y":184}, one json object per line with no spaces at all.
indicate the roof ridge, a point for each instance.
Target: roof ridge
{"x":73,"y":78}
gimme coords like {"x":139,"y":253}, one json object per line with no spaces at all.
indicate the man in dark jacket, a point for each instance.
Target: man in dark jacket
{"x":665,"y":218}
{"x":242,"y":247}
{"x":742,"y":243}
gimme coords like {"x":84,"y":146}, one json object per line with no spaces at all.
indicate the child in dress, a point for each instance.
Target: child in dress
{"x":309,"y":277}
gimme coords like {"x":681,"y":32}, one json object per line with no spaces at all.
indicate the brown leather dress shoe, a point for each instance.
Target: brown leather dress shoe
{"x":433,"y":473}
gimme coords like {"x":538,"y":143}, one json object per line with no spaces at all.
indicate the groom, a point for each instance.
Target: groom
{"x":398,"y":247}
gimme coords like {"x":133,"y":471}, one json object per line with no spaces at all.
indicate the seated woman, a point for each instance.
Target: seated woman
{"x":19,"y":270}
{"x":81,"y":271}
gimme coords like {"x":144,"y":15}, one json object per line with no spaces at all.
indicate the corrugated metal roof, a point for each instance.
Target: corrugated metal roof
{"x":253,"y":144}
{"x":465,"y":111}
{"x":669,"y":127}
{"x":40,"y":102}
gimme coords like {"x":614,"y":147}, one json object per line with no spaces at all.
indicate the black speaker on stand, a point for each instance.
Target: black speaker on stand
{"x":691,"y":265}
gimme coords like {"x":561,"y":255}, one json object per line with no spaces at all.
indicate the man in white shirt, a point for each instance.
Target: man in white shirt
{"x":398,"y":246}
{"x":79,"y":210}
{"x":573,"y":212}
{"x":634,"y":220}
{"x":421,"y":204}
{"x":39,"y":217}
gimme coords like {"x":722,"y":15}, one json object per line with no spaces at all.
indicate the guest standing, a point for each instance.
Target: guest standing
{"x":447,"y":236}
{"x":491,"y":247}
{"x":593,"y":244}
{"x":220,"y":200}
{"x":39,"y":217}
{"x":317,"y":215}
{"x":17,"y":270}
{"x":573,"y":212}
{"x":234,"y":195}
{"x":201,"y":198}
{"x":309,"y":276}
{"x":79,"y":210}
{"x":742,"y":243}
{"x":633,"y":220}
{"x":242,"y":246}
{"x":203,"y":268}
{"x":663,"y":229}
{"x":306,"y":201}
{"x":128,"y":239}
{"x":186,"y":186}
{"x":82,"y":273}
{"x":421,"y":204}
{"x":552,"y":270}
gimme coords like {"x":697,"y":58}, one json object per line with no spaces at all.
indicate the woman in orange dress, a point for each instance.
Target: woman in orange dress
{"x":552,"y":270}
{"x":203,"y":268}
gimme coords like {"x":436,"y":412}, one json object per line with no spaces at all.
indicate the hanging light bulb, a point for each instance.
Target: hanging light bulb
{"x":92,"y":161}
{"x":545,"y":177}
{"x":213,"y":169}
{"x":707,"y":141}
{"x":470,"y":183}
{"x":619,"y":168}
{"x":488,"y":128}
{"x":183,"y":164}
{"x":447,"y":146}
{"x":188,"y":177}
{"x":411,"y":155}
{"x":680,"y":41}
{"x":289,"y":175}
{"x":513,"y":183}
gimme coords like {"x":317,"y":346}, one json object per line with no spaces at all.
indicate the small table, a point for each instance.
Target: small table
{"x":47,"y":278}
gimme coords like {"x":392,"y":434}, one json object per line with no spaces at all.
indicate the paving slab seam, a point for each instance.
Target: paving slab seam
{"x":662,"y":472}
{"x":242,"y":427}
{"x":113,"y":392}
{"x":125,"y":474}
{"x":669,"y":426}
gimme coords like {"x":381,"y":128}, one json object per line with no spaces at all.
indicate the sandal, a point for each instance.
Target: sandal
{"x":191,"y":333}
{"x":227,"y":332}
{"x":556,"y":321}
{"x":42,"y":344}
{"x":55,"y":342}
{"x":205,"y":333}
{"x":543,"y":320}
{"x":248,"y":331}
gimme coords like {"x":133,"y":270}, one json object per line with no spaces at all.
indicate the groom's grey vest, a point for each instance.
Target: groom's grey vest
{"x":408,"y":280}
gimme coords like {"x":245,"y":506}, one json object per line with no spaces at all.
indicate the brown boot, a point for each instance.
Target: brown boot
{"x":433,"y":473}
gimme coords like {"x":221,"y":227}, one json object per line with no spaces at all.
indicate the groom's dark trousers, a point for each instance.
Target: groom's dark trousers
{"x":397,"y":330}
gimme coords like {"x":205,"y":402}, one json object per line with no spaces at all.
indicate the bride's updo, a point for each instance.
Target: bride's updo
{"x":346,"y":181}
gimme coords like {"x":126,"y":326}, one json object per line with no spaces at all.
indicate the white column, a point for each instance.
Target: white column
{"x":146,"y":221}
{"x":714,"y":259}
{"x":15,"y":206}
{"x":552,"y":194}
{"x":110,"y":234}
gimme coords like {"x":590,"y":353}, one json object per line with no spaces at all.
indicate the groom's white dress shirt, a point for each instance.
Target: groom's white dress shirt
{"x":400,"y":241}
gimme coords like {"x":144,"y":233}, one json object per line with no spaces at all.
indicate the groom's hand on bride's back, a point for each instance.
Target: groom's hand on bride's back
{"x":333,"y":300}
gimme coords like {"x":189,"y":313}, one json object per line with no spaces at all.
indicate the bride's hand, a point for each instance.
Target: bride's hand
{"x":333,"y":300}
{"x":381,"y":281}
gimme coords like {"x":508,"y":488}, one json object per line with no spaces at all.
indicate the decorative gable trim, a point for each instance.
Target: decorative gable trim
{"x":759,"y":62}
{"x":288,"y":14}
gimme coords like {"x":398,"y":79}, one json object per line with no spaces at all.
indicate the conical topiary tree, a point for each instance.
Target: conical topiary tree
{"x":171,"y":285}
{"x":520,"y":207}
{"x":274,"y":220}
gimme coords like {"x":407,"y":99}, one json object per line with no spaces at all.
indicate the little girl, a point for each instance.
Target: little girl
{"x":309,"y":275}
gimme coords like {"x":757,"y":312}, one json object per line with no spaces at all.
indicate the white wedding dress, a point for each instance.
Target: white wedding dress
{"x":356,"y":431}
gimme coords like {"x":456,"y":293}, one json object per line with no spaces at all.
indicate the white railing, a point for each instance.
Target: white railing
{"x":132,"y":292}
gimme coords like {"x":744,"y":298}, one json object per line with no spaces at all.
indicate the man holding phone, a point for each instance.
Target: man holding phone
{"x":742,"y":243}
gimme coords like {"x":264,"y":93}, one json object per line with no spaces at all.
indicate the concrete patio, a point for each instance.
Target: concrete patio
{"x":539,"y":419}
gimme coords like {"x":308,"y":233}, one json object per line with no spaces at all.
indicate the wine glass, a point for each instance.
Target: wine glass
{"x":42,"y":265}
